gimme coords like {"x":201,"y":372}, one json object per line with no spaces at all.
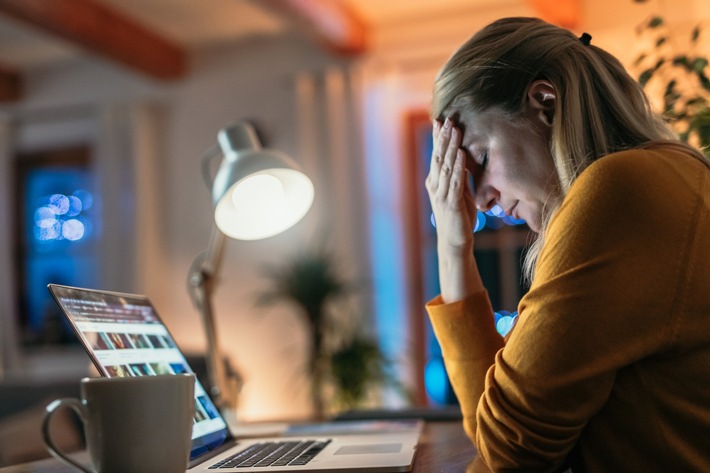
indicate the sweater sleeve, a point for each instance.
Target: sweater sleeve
{"x":469,"y":341}
{"x":588,"y":313}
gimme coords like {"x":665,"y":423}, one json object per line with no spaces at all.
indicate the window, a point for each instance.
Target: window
{"x":56,"y":237}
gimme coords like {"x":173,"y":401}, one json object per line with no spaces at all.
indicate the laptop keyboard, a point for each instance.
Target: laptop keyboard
{"x":266,"y":454}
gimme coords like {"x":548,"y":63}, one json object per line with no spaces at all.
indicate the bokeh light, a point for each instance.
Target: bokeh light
{"x":504,"y":321}
{"x":436,"y":380}
{"x":59,"y":203}
{"x":62,"y":217}
{"x":492,"y":219}
{"x":73,"y":230}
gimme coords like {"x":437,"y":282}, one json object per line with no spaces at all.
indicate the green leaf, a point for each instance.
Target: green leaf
{"x":661,"y":40}
{"x":640,"y":59}
{"x":699,"y":64}
{"x":308,"y":280}
{"x":645,"y":77}
{"x":692,"y":102}
{"x":670,"y":87}
{"x":681,"y":60}
{"x":704,"y":81}
{"x":655,"y":22}
{"x":695,"y":34}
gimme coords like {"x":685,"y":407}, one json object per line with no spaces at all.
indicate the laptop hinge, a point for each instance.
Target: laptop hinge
{"x":211,"y":453}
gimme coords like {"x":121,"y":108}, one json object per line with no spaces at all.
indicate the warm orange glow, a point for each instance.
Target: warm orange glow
{"x":333,"y":23}
{"x":564,"y":13}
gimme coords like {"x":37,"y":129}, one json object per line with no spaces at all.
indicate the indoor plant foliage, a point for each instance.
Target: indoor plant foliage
{"x":355,"y":366}
{"x":680,"y":78}
{"x":342,"y":361}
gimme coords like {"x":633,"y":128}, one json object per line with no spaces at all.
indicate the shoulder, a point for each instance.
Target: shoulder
{"x":632,"y":201}
{"x":635,"y":181}
{"x":639,"y":169}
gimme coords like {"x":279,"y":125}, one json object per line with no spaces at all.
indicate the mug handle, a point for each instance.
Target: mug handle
{"x":51,"y":408}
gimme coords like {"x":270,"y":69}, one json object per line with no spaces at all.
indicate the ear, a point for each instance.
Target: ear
{"x":542,"y":97}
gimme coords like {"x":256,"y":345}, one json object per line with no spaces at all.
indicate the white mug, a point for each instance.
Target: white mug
{"x":132,"y":424}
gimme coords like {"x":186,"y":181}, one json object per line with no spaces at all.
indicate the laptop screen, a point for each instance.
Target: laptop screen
{"x":124,"y":336}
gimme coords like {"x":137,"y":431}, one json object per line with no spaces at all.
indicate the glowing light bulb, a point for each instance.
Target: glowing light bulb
{"x":262,"y":196}
{"x":262,"y":186}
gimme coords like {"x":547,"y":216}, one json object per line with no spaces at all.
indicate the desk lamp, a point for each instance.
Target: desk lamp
{"x":256,"y":193}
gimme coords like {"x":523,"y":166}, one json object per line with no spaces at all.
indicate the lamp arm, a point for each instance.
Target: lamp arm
{"x":223,"y":387}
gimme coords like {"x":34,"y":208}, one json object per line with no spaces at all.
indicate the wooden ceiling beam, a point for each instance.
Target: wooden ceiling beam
{"x":10,"y":84}
{"x":97,"y":27}
{"x":330,"y":22}
{"x":564,"y":13}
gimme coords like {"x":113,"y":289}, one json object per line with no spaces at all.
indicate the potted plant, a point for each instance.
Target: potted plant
{"x":342,"y":359}
{"x":680,"y":78}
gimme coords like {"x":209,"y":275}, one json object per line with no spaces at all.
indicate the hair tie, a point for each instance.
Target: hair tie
{"x":585,"y":38}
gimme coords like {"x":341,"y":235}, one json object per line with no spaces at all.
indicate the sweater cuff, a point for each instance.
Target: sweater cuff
{"x":466,"y":328}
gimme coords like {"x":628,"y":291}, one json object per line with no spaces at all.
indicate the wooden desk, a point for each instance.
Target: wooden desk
{"x":444,"y":447}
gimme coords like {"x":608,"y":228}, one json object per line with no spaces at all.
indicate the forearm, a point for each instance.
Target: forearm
{"x":469,"y":342}
{"x":458,"y":275}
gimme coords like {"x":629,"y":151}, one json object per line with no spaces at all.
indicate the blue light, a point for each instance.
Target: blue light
{"x":48,"y":233}
{"x":496,"y":211}
{"x":480,"y":221}
{"x":493,"y":219}
{"x":45,"y":217}
{"x":504,"y":321}
{"x":73,"y":230}
{"x":59,"y":203}
{"x":59,"y":217}
{"x":75,"y":206}
{"x":436,"y":380}
{"x":87,"y":199}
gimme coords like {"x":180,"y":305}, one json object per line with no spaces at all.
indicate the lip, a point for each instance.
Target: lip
{"x":513,"y":211}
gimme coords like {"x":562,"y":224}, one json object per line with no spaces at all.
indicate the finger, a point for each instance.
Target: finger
{"x":458,"y":175}
{"x":436,"y":157}
{"x":453,"y":145}
{"x":452,"y":137}
{"x":441,"y":144}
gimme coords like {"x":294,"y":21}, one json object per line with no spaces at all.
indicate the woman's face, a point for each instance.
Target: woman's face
{"x":510,"y":162}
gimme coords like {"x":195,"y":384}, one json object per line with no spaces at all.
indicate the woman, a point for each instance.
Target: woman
{"x":608,"y":366}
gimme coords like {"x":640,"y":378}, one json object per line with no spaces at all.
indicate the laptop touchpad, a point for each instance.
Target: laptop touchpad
{"x":369,"y":449}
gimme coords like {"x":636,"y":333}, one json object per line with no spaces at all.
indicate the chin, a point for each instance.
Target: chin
{"x":533,"y":223}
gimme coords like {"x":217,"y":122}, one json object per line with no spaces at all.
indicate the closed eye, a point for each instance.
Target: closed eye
{"x":476,"y":168}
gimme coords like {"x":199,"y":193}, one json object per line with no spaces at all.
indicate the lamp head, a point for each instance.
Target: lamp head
{"x":257,"y":193}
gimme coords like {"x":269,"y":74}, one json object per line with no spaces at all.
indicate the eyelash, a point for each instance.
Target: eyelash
{"x":484,"y":160}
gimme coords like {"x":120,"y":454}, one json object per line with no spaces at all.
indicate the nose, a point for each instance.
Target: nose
{"x":486,"y":197}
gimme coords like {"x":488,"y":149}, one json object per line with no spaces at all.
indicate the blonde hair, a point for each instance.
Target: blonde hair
{"x":599,"y":107}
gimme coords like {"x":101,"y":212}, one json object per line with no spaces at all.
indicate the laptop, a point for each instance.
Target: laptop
{"x":124,"y":336}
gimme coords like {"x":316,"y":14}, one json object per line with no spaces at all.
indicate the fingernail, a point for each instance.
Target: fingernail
{"x":437,"y":125}
{"x":447,"y":123}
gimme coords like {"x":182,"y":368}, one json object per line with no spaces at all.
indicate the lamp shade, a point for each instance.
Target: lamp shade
{"x":257,"y":193}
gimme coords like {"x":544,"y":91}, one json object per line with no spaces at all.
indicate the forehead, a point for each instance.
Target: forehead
{"x":475,"y":126}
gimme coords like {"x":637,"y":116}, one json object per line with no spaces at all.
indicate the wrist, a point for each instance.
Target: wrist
{"x":459,"y":277}
{"x":462,"y":251}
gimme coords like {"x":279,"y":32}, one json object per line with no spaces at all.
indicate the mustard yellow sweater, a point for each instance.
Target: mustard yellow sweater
{"x":608,"y":366}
